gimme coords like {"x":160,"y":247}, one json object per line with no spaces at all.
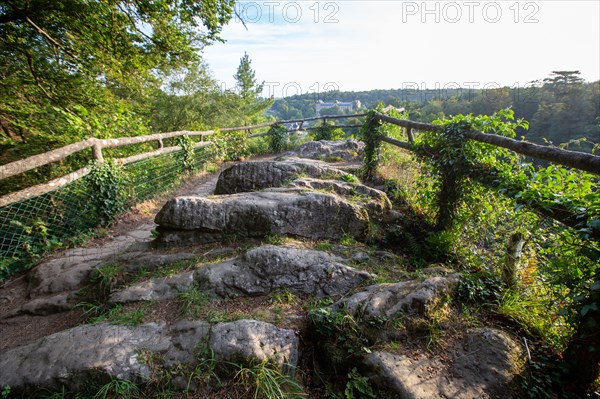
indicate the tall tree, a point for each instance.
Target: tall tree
{"x":252,"y":105}
{"x":87,"y":62}
{"x":246,"y":81}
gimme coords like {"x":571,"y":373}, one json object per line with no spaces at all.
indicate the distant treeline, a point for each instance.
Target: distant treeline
{"x":561,"y":109}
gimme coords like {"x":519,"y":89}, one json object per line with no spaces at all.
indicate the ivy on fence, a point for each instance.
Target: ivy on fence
{"x":277,"y":138}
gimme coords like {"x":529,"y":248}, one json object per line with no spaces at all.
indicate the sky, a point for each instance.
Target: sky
{"x":312,"y":46}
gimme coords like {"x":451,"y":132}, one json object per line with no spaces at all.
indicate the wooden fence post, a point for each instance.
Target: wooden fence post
{"x":97,"y":151}
{"x":409,"y":134}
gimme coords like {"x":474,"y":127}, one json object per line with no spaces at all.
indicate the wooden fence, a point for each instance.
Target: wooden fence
{"x":574,"y":159}
{"x":97,"y":145}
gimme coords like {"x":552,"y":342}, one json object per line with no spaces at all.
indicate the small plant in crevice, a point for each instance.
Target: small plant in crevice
{"x":339,"y":336}
{"x":117,"y":388}
{"x":358,"y":386}
{"x":266,"y":379}
{"x":284,"y":297}
{"x":96,"y":314}
{"x":106,"y":277}
{"x":192,"y":302}
{"x":349,"y":178}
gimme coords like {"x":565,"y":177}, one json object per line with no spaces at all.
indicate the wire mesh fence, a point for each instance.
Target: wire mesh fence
{"x":66,"y":216}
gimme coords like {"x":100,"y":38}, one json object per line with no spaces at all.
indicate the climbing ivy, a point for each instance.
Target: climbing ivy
{"x":230,"y":146}
{"x":371,"y":133}
{"x":277,"y":138}
{"x":448,"y":157}
{"x":328,"y":131}
{"x":186,"y":156}
{"x":108,"y":188}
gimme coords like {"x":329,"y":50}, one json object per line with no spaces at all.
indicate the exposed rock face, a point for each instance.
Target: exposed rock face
{"x":376,"y":202}
{"x":155,"y":289}
{"x":258,"y":175}
{"x":408,"y":297}
{"x":241,"y":340}
{"x":349,"y":150}
{"x":269,"y":268}
{"x":483,"y":366}
{"x":312,"y":215}
{"x":258,"y":272}
{"x":73,"y":270}
{"x":69,"y":357}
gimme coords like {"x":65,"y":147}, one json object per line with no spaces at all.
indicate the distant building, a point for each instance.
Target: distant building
{"x":344,"y":106}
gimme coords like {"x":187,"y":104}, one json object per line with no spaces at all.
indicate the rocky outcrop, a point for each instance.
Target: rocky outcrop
{"x":314,"y":215}
{"x":376,"y":202}
{"x":259,"y":271}
{"x":73,"y":270}
{"x":349,"y":150}
{"x":270,"y":268}
{"x":258,"y":175}
{"x":414,"y":297}
{"x":483,"y":365}
{"x":69,"y":358}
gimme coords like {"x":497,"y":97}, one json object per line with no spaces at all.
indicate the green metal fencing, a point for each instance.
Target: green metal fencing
{"x":66,"y":216}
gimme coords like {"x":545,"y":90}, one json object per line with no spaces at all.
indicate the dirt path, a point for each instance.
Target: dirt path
{"x":133,"y":228}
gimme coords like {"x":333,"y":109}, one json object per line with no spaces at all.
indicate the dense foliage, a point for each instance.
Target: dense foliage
{"x":562,"y":108}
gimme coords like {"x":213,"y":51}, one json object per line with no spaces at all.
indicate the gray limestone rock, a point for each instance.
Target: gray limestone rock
{"x":157,"y":289}
{"x":69,"y":357}
{"x":259,"y":271}
{"x":349,"y":150}
{"x":45,"y":305}
{"x":269,"y":268}
{"x":408,"y":297}
{"x":258,"y":175}
{"x":312,"y":215}
{"x":241,"y":340}
{"x":376,"y":202}
{"x":483,"y":365}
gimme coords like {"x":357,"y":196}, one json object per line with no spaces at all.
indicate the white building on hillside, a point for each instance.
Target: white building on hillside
{"x":344,"y":106}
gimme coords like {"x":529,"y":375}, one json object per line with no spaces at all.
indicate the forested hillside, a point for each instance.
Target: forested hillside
{"x":73,"y":70}
{"x":561,"y":108}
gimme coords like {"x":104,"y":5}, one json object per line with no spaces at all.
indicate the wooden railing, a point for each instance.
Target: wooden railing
{"x":573,"y":159}
{"x":578,"y":160}
{"x":97,"y":145}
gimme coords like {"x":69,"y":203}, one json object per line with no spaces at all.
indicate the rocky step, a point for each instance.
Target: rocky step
{"x":72,"y":357}
{"x":348,"y":150}
{"x":484,"y":364}
{"x":296,"y":212}
{"x":258,"y":175}
{"x":259,"y":271}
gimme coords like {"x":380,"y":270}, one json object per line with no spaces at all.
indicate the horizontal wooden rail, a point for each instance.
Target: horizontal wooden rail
{"x":35,"y":161}
{"x":573,"y":159}
{"x":51,"y":185}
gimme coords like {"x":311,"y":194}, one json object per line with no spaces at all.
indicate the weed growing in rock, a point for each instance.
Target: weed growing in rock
{"x":358,"y":386}
{"x":106,"y":277}
{"x":116,"y":388}
{"x":284,"y":297}
{"x":267,"y":379}
{"x":192,"y":302}
{"x":115,"y":315}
